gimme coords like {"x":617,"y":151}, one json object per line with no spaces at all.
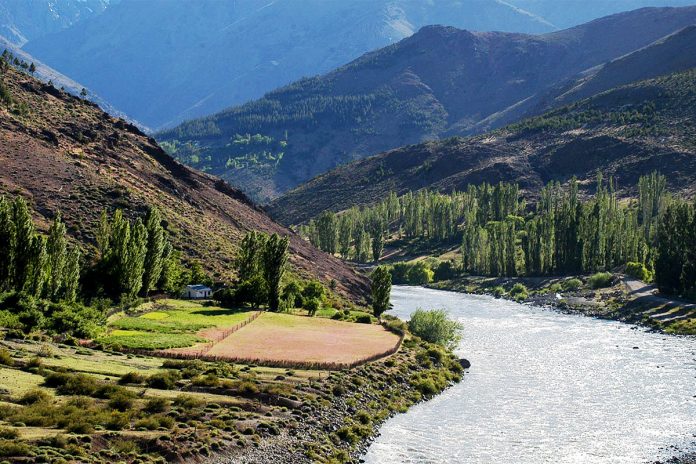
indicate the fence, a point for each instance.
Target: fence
{"x":203,"y":355}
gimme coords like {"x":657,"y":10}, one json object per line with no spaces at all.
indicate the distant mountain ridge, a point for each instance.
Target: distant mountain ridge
{"x":439,"y":82}
{"x":180,"y":60}
{"x":625,"y":132}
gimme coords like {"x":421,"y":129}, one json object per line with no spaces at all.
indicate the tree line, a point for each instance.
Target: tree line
{"x":561,"y":233}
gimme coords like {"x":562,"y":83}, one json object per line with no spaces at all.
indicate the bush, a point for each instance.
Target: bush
{"x":420,"y":274}
{"x":364,"y":319}
{"x":71,"y":384}
{"x":601,"y":280}
{"x":8,"y":433}
{"x":434,"y":326}
{"x":446,"y":270}
{"x":312,"y":305}
{"x":6,"y":358}
{"x":498,"y":291}
{"x":34,"y":396}
{"x":519,"y":292}
{"x":399,"y":273}
{"x":12,"y":448}
{"x":155,"y":405}
{"x":571,"y":285}
{"x":163,"y":380}
{"x":638,"y":271}
{"x":131,"y":378}
{"x":121,"y":401}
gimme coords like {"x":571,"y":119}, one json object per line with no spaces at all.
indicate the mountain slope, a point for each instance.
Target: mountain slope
{"x":24,"y":20}
{"x":179,"y":60}
{"x":441,"y":81}
{"x":625,"y":132}
{"x":674,"y":53}
{"x":65,"y":154}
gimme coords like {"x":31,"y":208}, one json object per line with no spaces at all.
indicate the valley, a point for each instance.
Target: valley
{"x":383,"y":231}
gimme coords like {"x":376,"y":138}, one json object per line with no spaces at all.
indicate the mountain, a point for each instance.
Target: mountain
{"x":24,"y":20}
{"x":179,"y":60}
{"x":441,"y":81}
{"x":65,"y":154}
{"x":568,"y":13}
{"x":59,"y":80}
{"x":674,"y":53}
{"x":625,"y":132}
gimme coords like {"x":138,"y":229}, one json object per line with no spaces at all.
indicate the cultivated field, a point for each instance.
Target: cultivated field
{"x":283,"y":338}
{"x":172,"y":324}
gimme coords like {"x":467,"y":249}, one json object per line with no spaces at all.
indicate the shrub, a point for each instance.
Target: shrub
{"x":420,"y":274}
{"x":638,"y":271}
{"x":8,"y":433}
{"x":571,"y":285}
{"x":498,"y":291}
{"x":364,"y":319}
{"x":399,"y":273}
{"x":6,"y":358}
{"x":601,"y":280}
{"x":519,"y":292}
{"x":13,"y":448}
{"x":131,"y":378}
{"x":312,"y":305}
{"x":163,"y":380}
{"x":396,"y":326}
{"x":121,"y":401}
{"x":187,"y":402}
{"x":445,"y":270}
{"x":434,"y":326}
{"x":34,"y":396}
{"x":71,"y":384}
{"x":155,"y":405}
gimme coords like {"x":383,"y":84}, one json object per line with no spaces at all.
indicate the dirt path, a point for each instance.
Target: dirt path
{"x":661,"y":308}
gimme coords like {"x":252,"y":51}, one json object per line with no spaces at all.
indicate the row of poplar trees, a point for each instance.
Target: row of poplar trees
{"x":135,"y":257}
{"x":560,"y":234}
{"x":261,"y":264}
{"x":359,"y":234}
{"x":41,"y":266}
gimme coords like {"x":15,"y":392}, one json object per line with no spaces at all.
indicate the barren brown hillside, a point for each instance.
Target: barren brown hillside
{"x":65,"y":154}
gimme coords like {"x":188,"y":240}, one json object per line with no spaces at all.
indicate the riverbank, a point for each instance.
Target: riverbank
{"x":65,"y":403}
{"x":626,"y":300}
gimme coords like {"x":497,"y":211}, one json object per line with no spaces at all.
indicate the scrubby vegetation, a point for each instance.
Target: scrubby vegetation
{"x":436,"y":327}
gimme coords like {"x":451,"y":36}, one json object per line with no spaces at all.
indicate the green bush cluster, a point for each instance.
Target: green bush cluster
{"x":601,"y":280}
{"x":435,"y":326}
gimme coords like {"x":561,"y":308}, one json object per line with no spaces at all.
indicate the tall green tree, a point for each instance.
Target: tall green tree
{"x":7,"y":245}
{"x":72,"y":275}
{"x":154,"y":257}
{"x":275,"y":258}
{"x":381,"y":290}
{"x":56,"y":249}
{"x":248,"y":261}
{"x":24,"y":235}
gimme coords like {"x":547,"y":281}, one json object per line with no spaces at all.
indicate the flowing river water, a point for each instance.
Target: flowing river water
{"x":546,"y":387}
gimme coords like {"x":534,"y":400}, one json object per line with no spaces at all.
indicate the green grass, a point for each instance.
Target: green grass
{"x":135,"y":339}
{"x":169,"y":324}
{"x":682,"y":327}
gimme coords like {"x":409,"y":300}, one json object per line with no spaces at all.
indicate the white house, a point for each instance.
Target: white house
{"x":197,"y":291}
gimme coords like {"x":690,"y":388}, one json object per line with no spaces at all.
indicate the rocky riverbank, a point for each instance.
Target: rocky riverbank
{"x":623,"y":300}
{"x":346,"y":410}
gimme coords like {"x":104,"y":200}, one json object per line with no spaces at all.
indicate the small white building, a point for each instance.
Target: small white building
{"x":197,"y":292}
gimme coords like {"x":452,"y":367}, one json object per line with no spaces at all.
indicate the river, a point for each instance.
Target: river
{"x":546,"y":387}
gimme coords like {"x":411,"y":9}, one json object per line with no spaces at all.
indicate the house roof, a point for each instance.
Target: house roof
{"x":197,"y":287}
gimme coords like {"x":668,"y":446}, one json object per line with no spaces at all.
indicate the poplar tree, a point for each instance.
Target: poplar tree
{"x":7,"y":245}
{"x":381,"y":290}
{"x":72,"y":275}
{"x":38,"y":259}
{"x":275,"y":258}
{"x":24,"y":234}
{"x":248,"y":260}
{"x":156,"y":241}
{"x":56,"y":247}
